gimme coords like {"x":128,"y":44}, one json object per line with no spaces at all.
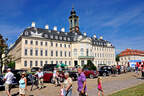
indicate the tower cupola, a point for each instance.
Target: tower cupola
{"x":74,"y":22}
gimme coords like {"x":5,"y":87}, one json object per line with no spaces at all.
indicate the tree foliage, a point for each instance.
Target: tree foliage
{"x":11,"y":64}
{"x":117,"y":58}
{"x":89,"y":65}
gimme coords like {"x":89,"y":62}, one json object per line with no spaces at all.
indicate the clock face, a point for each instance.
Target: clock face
{"x":77,"y":28}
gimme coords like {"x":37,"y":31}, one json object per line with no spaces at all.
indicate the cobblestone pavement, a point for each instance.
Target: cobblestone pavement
{"x":110,"y":84}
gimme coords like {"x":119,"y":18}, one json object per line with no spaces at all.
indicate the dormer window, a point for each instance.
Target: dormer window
{"x":65,"y":33}
{"x":26,"y":33}
{"x":56,"y":37}
{"x":46,"y":35}
{"x":68,"y":39}
{"x":60,"y":38}
{"x":58,"y":32}
{"x":51,"y":36}
{"x":64,"y":38}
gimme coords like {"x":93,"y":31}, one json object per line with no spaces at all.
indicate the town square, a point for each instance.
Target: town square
{"x":71,"y":48}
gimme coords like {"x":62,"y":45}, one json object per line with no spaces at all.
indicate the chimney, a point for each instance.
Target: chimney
{"x":84,"y":34}
{"x":62,"y":29}
{"x":33,"y":24}
{"x":101,"y":37}
{"x":55,"y":28}
{"x":94,"y":36}
{"x":46,"y":26}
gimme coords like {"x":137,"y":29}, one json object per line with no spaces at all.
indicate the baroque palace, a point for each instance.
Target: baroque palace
{"x":39,"y":46}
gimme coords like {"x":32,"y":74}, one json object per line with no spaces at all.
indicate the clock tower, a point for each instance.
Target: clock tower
{"x":74,"y":22}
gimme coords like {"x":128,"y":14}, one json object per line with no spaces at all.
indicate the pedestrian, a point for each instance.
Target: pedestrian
{"x":67,"y":85}
{"x":8,"y":81}
{"x":33,"y":80}
{"x":40,"y":78}
{"x":100,"y":90}
{"x":54,"y":76}
{"x":82,"y":88}
{"x":23,"y":85}
{"x":57,"y":78}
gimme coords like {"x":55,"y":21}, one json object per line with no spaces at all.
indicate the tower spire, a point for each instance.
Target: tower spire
{"x":74,"y":21}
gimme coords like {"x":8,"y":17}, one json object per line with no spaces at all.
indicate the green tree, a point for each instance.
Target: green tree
{"x":90,"y":65}
{"x":117,"y":58}
{"x":3,"y":51}
{"x":11,"y":64}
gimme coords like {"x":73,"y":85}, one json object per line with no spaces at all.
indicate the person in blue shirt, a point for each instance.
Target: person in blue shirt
{"x":22,"y":85}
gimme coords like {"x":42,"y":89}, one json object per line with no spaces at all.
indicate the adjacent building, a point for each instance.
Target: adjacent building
{"x":39,"y":46}
{"x":131,"y":55}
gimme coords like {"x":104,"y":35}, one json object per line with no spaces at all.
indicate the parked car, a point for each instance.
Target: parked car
{"x":1,"y":81}
{"x":90,"y":73}
{"x":105,"y":70}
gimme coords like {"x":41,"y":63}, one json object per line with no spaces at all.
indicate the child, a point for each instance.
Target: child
{"x":100,"y":90}
{"x":61,"y":90}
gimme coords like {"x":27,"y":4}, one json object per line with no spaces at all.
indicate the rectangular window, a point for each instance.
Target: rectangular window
{"x":36,"y":63}
{"x":25,"y":52}
{"x":56,"y":62}
{"x":69,"y":54}
{"x":46,"y":62}
{"x":41,"y":43}
{"x":66,"y":62}
{"x":41,"y":52}
{"x":65,"y":54}
{"x":56,"y":44}
{"x":31,"y":64}
{"x":51,"y":62}
{"x":25,"y":63}
{"x":31,"y":52}
{"x":26,"y":41}
{"x":46,"y":53}
{"x":31,"y":42}
{"x":41,"y":63}
{"x":60,"y":45}
{"x":45,"y":43}
{"x":56,"y":53}
{"x":69,"y":46}
{"x":60,"y":53}
{"x":51,"y":53}
{"x":51,"y":43}
{"x":36,"y":42}
{"x":69,"y":62}
{"x":36,"y":52}
{"x":65,"y":45}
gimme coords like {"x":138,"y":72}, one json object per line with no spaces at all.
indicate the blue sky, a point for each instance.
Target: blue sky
{"x":118,"y":21}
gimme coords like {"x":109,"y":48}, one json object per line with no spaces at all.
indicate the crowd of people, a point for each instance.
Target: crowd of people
{"x":37,"y":80}
{"x":66,"y":86}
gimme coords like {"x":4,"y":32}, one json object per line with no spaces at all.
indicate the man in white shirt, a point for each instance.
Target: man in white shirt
{"x":40,"y":78}
{"x":8,"y":81}
{"x":54,"y":76}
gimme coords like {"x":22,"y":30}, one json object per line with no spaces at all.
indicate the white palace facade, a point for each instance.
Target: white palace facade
{"x":38,"y":46}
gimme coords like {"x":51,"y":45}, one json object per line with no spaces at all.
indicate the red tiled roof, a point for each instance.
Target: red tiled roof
{"x":128,"y":52}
